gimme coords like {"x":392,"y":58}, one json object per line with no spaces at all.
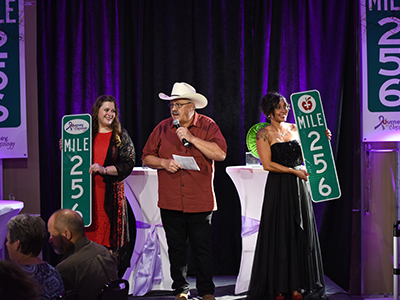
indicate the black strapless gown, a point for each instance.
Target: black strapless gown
{"x":287,"y":256}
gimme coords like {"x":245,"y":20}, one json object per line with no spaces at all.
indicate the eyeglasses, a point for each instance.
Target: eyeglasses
{"x":177,"y":105}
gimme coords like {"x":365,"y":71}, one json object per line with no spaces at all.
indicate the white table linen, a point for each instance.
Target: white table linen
{"x":250,"y":184}
{"x":8,"y":209}
{"x":141,"y":190}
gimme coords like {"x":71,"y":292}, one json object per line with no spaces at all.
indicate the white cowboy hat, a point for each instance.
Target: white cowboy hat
{"x":183,"y":90}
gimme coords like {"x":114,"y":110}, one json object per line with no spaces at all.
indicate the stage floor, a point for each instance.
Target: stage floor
{"x":225,"y":287}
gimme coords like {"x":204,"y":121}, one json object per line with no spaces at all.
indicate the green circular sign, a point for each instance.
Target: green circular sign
{"x":251,"y":138}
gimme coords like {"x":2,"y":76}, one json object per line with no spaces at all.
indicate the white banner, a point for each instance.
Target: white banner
{"x":380,"y":27}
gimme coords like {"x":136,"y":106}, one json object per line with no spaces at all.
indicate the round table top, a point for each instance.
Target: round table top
{"x":251,"y":168}
{"x":10,"y":204}
{"x":145,"y":170}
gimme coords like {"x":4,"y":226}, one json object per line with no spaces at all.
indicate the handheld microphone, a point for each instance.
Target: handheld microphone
{"x":184,"y":141}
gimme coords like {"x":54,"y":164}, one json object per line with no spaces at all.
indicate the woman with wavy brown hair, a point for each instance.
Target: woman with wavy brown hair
{"x":113,"y":160}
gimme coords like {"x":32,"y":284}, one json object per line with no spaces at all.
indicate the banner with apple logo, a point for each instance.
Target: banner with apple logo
{"x":316,"y":147}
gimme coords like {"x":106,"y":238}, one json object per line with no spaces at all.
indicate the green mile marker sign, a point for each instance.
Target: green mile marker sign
{"x":76,"y":158}
{"x":316,"y":147}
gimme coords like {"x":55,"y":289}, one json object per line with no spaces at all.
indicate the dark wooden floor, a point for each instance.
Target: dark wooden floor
{"x":225,"y":287}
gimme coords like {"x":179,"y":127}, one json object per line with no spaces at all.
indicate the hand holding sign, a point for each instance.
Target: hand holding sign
{"x":317,"y":151}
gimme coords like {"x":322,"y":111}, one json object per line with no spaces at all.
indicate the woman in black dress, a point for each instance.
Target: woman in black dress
{"x":287,"y":262}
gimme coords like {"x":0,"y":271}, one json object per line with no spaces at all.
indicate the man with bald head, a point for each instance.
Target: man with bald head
{"x":86,"y":266}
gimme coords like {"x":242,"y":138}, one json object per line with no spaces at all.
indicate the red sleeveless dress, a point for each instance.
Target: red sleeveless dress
{"x":99,"y":230}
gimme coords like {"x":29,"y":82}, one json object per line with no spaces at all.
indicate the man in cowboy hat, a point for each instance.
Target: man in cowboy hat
{"x":186,"y":197}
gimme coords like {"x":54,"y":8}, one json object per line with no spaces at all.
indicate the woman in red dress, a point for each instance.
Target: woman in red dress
{"x":113,"y":161}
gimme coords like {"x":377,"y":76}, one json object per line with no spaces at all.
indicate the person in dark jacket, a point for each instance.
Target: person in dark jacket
{"x":86,"y":266}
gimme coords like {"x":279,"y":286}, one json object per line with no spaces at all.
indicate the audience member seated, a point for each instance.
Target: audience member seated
{"x":26,"y":236}
{"x":86,"y":266}
{"x":17,"y":284}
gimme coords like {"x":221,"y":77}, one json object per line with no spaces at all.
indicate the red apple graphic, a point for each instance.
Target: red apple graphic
{"x":307,"y":104}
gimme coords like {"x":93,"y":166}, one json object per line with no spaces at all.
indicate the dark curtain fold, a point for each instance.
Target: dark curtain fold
{"x":233,"y":52}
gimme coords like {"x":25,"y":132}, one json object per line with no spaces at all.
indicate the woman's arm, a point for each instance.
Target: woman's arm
{"x":126,"y":155}
{"x":126,"y":160}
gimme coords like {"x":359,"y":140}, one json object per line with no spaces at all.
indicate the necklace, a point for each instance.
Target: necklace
{"x":281,"y":134}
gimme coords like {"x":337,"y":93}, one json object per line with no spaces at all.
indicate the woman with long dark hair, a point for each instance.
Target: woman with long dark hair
{"x":113,"y":161}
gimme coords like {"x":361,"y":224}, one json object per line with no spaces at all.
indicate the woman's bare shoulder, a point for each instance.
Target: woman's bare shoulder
{"x":292,"y":127}
{"x":262,"y":134}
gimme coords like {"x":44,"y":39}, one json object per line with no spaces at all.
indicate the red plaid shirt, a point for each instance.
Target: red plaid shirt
{"x":186,"y":190}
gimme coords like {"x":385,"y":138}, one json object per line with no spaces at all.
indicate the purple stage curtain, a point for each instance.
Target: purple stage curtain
{"x":233,"y":52}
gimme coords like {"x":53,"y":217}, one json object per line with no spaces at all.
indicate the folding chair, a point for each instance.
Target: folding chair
{"x":115,"y":290}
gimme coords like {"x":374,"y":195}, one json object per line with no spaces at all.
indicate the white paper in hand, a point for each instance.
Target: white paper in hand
{"x":187,"y":162}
